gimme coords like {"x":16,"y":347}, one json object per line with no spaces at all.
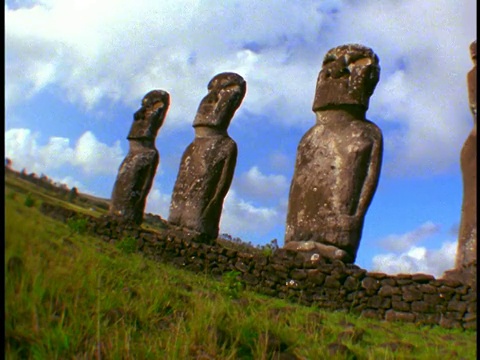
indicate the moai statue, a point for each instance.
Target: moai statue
{"x":208,"y":163}
{"x":338,"y":160}
{"x":467,"y":236}
{"x":136,"y":173}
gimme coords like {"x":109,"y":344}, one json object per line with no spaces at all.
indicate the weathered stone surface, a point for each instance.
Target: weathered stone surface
{"x":377,"y":275}
{"x":422,"y":278}
{"x":392,"y":315}
{"x":136,"y":173}
{"x":370,"y":284}
{"x":449,"y":323}
{"x":331,"y":282}
{"x":351,"y":284}
{"x":400,"y":306}
{"x":427,"y":319}
{"x":467,"y":248}
{"x":387,"y":290}
{"x":298,"y":274}
{"x":312,"y":249}
{"x":208,"y":163}
{"x":422,"y":307}
{"x":316,"y":277}
{"x":377,"y":301}
{"x":371,"y":313}
{"x":433,"y":299}
{"x":338,"y":159}
{"x":457,"y":306}
{"x":467,"y":235}
{"x":411,"y":293}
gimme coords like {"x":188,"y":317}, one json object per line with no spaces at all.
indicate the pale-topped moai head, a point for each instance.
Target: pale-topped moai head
{"x":348,"y":77}
{"x":149,"y":118}
{"x":225,"y":94}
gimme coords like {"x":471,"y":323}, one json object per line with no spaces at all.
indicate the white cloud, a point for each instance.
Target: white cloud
{"x":255,"y":184}
{"x":56,"y":153}
{"x":417,"y":260}
{"x":405,"y":255}
{"x":124,"y":48}
{"x":242,"y":219}
{"x":402,"y":242}
{"x":91,"y":155}
{"x":280,"y":161}
{"x":71,"y":182}
{"x":158,"y":203}
{"x":96,"y":157}
{"x":21,"y":147}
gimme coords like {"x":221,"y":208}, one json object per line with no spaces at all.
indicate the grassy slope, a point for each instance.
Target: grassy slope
{"x":72,"y":296}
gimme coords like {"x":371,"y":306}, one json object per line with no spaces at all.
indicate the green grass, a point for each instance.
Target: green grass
{"x":16,"y":184}
{"x":71,"y":296}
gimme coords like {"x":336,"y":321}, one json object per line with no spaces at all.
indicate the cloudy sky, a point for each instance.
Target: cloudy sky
{"x":76,"y":71}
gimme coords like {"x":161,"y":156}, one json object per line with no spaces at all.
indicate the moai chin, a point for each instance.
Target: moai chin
{"x":208,"y":163}
{"x":136,"y":173}
{"x":465,"y":262}
{"x":338,"y":160}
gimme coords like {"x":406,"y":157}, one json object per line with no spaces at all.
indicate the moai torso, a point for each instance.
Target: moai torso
{"x":208,"y":164}
{"x":338,"y":160}
{"x":136,"y":173}
{"x":467,"y":239}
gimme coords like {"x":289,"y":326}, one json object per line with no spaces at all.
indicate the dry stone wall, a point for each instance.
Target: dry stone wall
{"x":417,"y":298}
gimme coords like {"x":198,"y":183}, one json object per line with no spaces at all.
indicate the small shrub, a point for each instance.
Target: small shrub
{"x":77,"y":225}
{"x":29,"y":200}
{"x":230,"y":285}
{"x":128,"y":245}
{"x":269,"y":249}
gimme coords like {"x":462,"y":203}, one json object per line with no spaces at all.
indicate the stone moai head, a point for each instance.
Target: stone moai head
{"x":472,"y":81}
{"x":348,"y":77}
{"x":149,"y":118}
{"x":225,"y":94}
{"x":473,"y":52}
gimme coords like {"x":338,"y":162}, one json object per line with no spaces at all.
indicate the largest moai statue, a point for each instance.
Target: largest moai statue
{"x":467,"y":236}
{"x":136,"y":173}
{"x":208,"y":163}
{"x":338,"y":160}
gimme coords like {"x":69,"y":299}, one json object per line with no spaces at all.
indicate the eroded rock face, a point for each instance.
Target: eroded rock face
{"x":208,"y":164}
{"x":467,"y":237}
{"x":338,"y":160}
{"x":136,"y":173}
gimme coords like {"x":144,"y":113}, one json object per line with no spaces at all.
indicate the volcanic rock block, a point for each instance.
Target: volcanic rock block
{"x":338,"y":160}
{"x":208,"y":163}
{"x":136,"y":173}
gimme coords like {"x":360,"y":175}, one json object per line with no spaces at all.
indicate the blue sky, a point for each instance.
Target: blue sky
{"x":76,"y":71}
